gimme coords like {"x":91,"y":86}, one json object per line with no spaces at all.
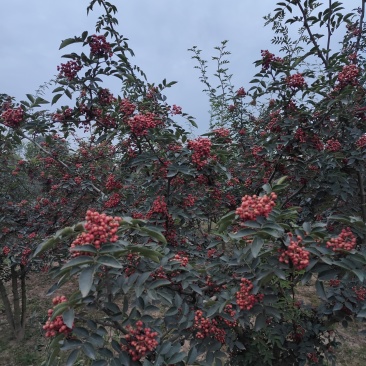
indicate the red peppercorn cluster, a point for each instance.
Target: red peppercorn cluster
{"x":254,"y":206}
{"x":127,"y":107}
{"x":300,"y":135}
{"x":244,"y":299}
{"x":361,"y":142}
{"x":334,"y":283}
{"x":158,"y":206}
{"x":231,"y":312}
{"x":206,"y":327}
{"x":69,"y":70}
{"x":12,"y":117}
{"x":360,"y":292}
{"x":100,"y":229}
{"x":6,"y":250}
{"x":240,"y":93}
{"x":176,"y":110}
{"x":344,"y":241}
{"x":221,"y":132}
{"x":296,"y":81}
{"x":348,"y":76}
{"x":189,"y":201}
{"x":256,"y":150}
{"x":99,"y":46}
{"x":183,"y":260}
{"x":57,"y":325}
{"x":295,"y":254}
{"x":25,"y":256}
{"x":333,"y":145}
{"x":268,"y":59}
{"x":113,"y":201}
{"x":201,"y":148}
{"x":105,"y":97}
{"x":140,"y":341}
{"x":112,"y":183}
{"x":141,"y":123}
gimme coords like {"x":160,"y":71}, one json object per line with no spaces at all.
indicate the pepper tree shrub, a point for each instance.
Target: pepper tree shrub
{"x":303,"y":116}
{"x":160,"y":268}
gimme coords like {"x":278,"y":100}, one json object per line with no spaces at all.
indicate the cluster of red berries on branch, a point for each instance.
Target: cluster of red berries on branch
{"x":268,"y":59}
{"x":295,"y":254}
{"x":158,"y":206}
{"x":12,"y":117}
{"x":348,"y":76}
{"x":255,"y":206}
{"x":295,"y":81}
{"x":112,"y":183}
{"x":69,"y":70}
{"x":205,"y":327}
{"x":201,"y":148}
{"x":346,"y":240}
{"x":176,"y":110}
{"x":99,"y":229}
{"x":241,"y":93}
{"x":127,"y":107}
{"x":333,"y":145}
{"x":57,"y":325}
{"x":244,"y":299}
{"x":183,"y":260}
{"x":360,"y":292}
{"x":361,"y":142}
{"x":105,"y":97}
{"x":140,"y":341}
{"x":99,"y":46}
{"x":141,"y":123}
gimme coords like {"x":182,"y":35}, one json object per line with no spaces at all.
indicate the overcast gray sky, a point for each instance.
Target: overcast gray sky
{"x":159,"y":32}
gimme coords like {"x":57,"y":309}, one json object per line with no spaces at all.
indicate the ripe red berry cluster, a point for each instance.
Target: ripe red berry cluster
{"x":99,"y":229}
{"x":254,"y":206}
{"x":300,"y":135}
{"x":268,"y":58}
{"x":140,"y":341}
{"x":158,"y":206}
{"x":105,"y":97}
{"x":57,"y":325}
{"x":201,"y":148}
{"x":113,"y":201}
{"x":221,"y":132}
{"x":344,"y":241}
{"x":6,"y":251}
{"x":244,"y":298}
{"x":127,"y":107}
{"x":182,"y":259}
{"x":69,"y":70}
{"x":241,"y":93}
{"x":112,"y":183}
{"x":296,"y":81}
{"x":334,"y":283}
{"x":25,"y":256}
{"x":12,"y":117}
{"x":333,"y":145}
{"x":99,"y":46}
{"x":295,"y":254}
{"x":141,"y":123}
{"x":176,"y":110}
{"x":360,"y":292}
{"x":361,"y":142}
{"x":348,"y":76}
{"x":189,"y":201}
{"x":206,"y":327}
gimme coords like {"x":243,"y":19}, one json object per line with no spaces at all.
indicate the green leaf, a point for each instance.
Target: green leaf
{"x":72,"y":357}
{"x":109,"y":261}
{"x":225,"y":221}
{"x":89,"y":350}
{"x":256,"y":246}
{"x":78,"y":261}
{"x":320,"y":290}
{"x":176,"y":358}
{"x":241,"y":233}
{"x":68,"y":41}
{"x":68,"y":317}
{"x":192,"y":355}
{"x":46,"y":245}
{"x":154,"y":233}
{"x":159,"y":283}
{"x":86,"y":278}
{"x":260,"y":322}
{"x":56,"y":98}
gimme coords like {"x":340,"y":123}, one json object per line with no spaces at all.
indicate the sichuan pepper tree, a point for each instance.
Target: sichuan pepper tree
{"x":180,"y":259}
